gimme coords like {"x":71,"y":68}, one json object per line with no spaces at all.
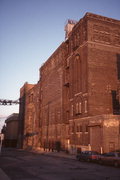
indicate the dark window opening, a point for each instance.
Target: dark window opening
{"x":118,"y":66}
{"x":81,"y":128}
{"x":86,"y":128}
{"x":115,"y":103}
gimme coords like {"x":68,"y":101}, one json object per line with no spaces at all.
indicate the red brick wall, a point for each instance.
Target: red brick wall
{"x":51,"y":96}
{"x":76,"y":82}
{"x":103,"y":47}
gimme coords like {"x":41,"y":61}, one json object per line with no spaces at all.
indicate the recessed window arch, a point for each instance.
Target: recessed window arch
{"x":78,"y":73}
{"x":77,"y":56}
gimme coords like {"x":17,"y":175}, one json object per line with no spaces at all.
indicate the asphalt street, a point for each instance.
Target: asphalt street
{"x":23,"y":165}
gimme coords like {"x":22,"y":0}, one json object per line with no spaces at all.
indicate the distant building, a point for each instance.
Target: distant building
{"x":11,"y":131}
{"x":29,"y":116}
{"x":76,"y":102}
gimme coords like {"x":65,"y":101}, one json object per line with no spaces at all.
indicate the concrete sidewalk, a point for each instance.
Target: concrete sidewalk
{"x":60,"y":154}
{"x":55,"y":154}
{"x":3,"y":176}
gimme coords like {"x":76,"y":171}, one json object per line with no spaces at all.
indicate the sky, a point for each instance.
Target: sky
{"x":30,"y":31}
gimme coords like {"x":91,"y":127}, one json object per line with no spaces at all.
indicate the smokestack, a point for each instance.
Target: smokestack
{"x":68,"y":27}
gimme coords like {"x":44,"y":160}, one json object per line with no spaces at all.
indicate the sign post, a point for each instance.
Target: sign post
{"x":1,"y":139}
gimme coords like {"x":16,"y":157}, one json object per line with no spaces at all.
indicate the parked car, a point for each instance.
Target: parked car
{"x":88,"y":156}
{"x":111,"y":158}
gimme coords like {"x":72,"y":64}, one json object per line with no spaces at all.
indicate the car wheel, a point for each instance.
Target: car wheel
{"x":116,"y":164}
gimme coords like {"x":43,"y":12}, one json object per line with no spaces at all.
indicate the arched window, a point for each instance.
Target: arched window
{"x":77,"y":74}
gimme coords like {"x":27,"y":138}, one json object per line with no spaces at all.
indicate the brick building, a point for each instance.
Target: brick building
{"x":29,"y":115}
{"x":76,"y":102}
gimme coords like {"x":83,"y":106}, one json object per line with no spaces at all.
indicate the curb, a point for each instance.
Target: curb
{"x":59,"y":155}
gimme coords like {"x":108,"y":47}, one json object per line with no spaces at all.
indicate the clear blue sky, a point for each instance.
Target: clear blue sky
{"x":30,"y":31}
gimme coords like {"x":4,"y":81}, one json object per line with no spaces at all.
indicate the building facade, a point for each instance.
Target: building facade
{"x":10,"y":135}
{"x":76,"y":103}
{"x":29,"y":113}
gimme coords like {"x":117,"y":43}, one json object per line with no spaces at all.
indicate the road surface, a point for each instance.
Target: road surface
{"x":22,"y":165}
